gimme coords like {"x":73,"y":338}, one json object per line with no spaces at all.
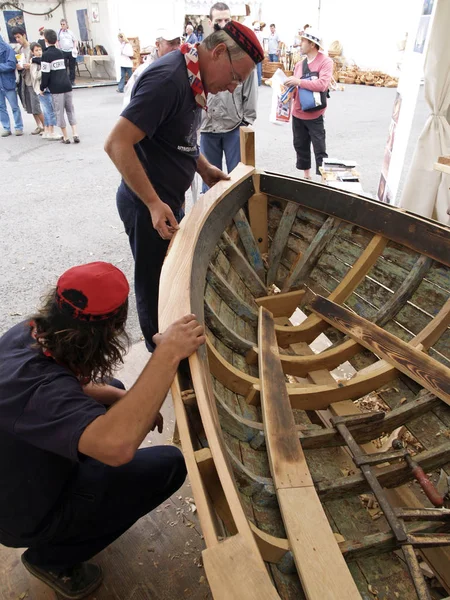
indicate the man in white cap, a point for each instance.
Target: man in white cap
{"x":314,"y":74}
{"x":167,"y":40}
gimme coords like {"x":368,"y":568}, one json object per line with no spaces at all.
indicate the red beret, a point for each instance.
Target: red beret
{"x":41,"y":29}
{"x":92,"y":292}
{"x":246,"y":39}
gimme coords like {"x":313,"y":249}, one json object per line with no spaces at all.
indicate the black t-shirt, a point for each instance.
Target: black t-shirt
{"x":43,"y":412}
{"x":162,"y":105}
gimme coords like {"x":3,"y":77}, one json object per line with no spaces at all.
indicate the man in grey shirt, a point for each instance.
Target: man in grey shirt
{"x":226,"y":111}
{"x":274,"y":44}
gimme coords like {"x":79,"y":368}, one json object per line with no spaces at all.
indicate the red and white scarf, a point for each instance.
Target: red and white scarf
{"x":193,"y":72}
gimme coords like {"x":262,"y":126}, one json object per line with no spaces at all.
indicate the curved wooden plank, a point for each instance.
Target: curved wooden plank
{"x":319,"y":562}
{"x":237,"y":304}
{"x":280,"y":240}
{"x":423,"y":369}
{"x":306,"y":262}
{"x":314,"y":325}
{"x":234,"y":379}
{"x":226,"y":335}
{"x":249,"y":243}
{"x":241,"y":266}
{"x":281,"y":305}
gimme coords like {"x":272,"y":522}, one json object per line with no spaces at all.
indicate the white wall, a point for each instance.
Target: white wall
{"x":369,"y":31}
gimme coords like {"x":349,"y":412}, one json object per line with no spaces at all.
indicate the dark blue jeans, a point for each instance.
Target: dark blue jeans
{"x":123,"y":72}
{"x":259,"y":72}
{"x":149,"y":251}
{"x":273,"y":57}
{"x":214,"y":145}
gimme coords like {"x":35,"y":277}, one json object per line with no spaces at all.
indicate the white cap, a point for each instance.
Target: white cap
{"x":313,"y":36}
{"x":168,"y":33}
{"x":256,"y":26}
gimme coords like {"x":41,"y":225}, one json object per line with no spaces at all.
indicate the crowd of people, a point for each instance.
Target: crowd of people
{"x":74,"y":476}
{"x":41,"y":74}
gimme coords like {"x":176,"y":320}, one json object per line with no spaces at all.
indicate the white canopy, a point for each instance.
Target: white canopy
{"x":426,"y":191}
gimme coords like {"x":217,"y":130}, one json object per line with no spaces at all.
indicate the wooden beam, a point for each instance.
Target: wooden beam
{"x":231,"y":298}
{"x":423,"y":369}
{"x":249,"y":243}
{"x":241,"y":266}
{"x":323,"y":571}
{"x":281,"y":305}
{"x":306,"y":262}
{"x":247,"y":144}
{"x":280,"y":240}
{"x":258,"y":217}
{"x":313,"y":325}
{"x":232,"y":378}
{"x":226,"y":335}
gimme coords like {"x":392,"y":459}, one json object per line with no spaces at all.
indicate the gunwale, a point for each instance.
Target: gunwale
{"x":194,"y":245}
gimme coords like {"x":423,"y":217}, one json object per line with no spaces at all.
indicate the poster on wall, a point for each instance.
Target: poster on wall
{"x":95,"y":15}
{"x":404,"y":105}
{"x":13,"y":18}
{"x":83,"y":24}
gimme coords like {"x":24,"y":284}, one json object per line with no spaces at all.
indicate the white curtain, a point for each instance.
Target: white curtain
{"x":426,"y":191}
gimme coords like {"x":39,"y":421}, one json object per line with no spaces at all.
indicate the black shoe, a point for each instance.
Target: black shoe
{"x":76,"y":139}
{"x":74,"y":583}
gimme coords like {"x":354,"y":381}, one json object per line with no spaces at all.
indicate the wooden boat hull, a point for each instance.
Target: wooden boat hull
{"x":271,"y":478}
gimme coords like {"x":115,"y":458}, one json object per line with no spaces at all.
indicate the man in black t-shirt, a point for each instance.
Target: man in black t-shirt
{"x":154,"y":147}
{"x":72,"y":479}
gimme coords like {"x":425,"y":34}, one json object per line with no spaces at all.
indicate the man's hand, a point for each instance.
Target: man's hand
{"x":161,"y":213}
{"x":212,"y":175}
{"x":41,"y":93}
{"x":182,"y":338}
{"x":159,"y":423}
{"x":290,"y":81}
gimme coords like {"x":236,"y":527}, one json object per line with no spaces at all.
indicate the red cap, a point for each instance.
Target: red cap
{"x":92,"y":292}
{"x":246,"y":39}
{"x":41,"y":29}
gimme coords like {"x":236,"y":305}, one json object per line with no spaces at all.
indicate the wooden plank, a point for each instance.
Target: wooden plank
{"x":249,"y":243}
{"x":258,"y":217}
{"x":313,"y":325}
{"x":228,"y":336}
{"x":241,"y":265}
{"x":319,"y":562}
{"x":247,"y":144}
{"x":306,"y":262}
{"x":418,"y":233}
{"x":235,"y":380}
{"x":229,"y":295}
{"x":426,"y":371}
{"x":234,"y":571}
{"x":433,"y":331}
{"x":280,"y":240}
{"x":281,"y":305}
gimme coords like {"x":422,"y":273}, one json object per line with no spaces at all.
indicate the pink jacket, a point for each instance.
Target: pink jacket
{"x":324,"y":66}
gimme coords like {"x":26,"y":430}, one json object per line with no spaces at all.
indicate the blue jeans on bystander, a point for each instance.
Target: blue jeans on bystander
{"x":123,"y":73}
{"x":273,"y":57}
{"x":214,"y":145}
{"x":259,"y":72}
{"x":46,"y":101}
{"x":11,"y":96}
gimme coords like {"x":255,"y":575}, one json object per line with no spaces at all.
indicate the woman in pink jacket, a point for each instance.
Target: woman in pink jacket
{"x":308,"y":125}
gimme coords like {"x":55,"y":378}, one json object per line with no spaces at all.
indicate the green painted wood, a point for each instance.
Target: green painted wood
{"x":241,"y":265}
{"x":230,"y":296}
{"x":280,"y":240}
{"x":228,"y":336}
{"x":249,"y":243}
{"x":308,"y":260}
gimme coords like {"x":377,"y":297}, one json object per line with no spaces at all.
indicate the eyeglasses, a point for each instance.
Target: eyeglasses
{"x":236,"y":77}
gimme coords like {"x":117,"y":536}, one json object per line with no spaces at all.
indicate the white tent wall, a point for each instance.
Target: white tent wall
{"x":34,"y":22}
{"x":369,"y":31}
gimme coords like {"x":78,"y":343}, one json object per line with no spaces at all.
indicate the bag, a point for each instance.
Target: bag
{"x":311,"y":100}
{"x":281,"y":107}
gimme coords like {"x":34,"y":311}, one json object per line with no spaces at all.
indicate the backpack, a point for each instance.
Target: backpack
{"x":311,"y":100}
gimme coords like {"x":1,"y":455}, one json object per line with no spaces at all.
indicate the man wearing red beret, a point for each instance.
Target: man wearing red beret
{"x":154,"y":147}
{"x":73,"y":478}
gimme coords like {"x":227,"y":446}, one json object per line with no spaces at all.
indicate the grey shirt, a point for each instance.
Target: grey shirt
{"x":226,"y":111}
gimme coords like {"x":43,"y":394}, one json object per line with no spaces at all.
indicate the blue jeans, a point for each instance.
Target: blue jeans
{"x":259,"y":72}
{"x":123,"y":72}
{"x":273,"y":57}
{"x":214,"y":145}
{"x":13,"y":102}
{"x":149,"y":251}
{"x":47,"y":108}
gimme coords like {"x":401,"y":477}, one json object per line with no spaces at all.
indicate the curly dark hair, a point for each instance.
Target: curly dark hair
{"x":90,"y":349}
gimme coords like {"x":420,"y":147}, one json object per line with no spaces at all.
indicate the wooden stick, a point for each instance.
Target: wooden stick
{"x":249,"y":243}
{"x":281,"y":305}
{"x":247,"y":143}
{"x":280,"y":240}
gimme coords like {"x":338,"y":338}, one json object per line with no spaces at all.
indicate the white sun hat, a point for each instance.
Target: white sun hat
{"x":313,"y":36}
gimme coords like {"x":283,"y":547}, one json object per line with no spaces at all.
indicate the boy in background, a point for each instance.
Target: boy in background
{"x":55,"y":78}
{"x":45,"y":98}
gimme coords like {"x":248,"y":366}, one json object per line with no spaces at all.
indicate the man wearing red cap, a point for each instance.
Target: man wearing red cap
{"x":154,"y":147}
{"x":73,"y":478}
